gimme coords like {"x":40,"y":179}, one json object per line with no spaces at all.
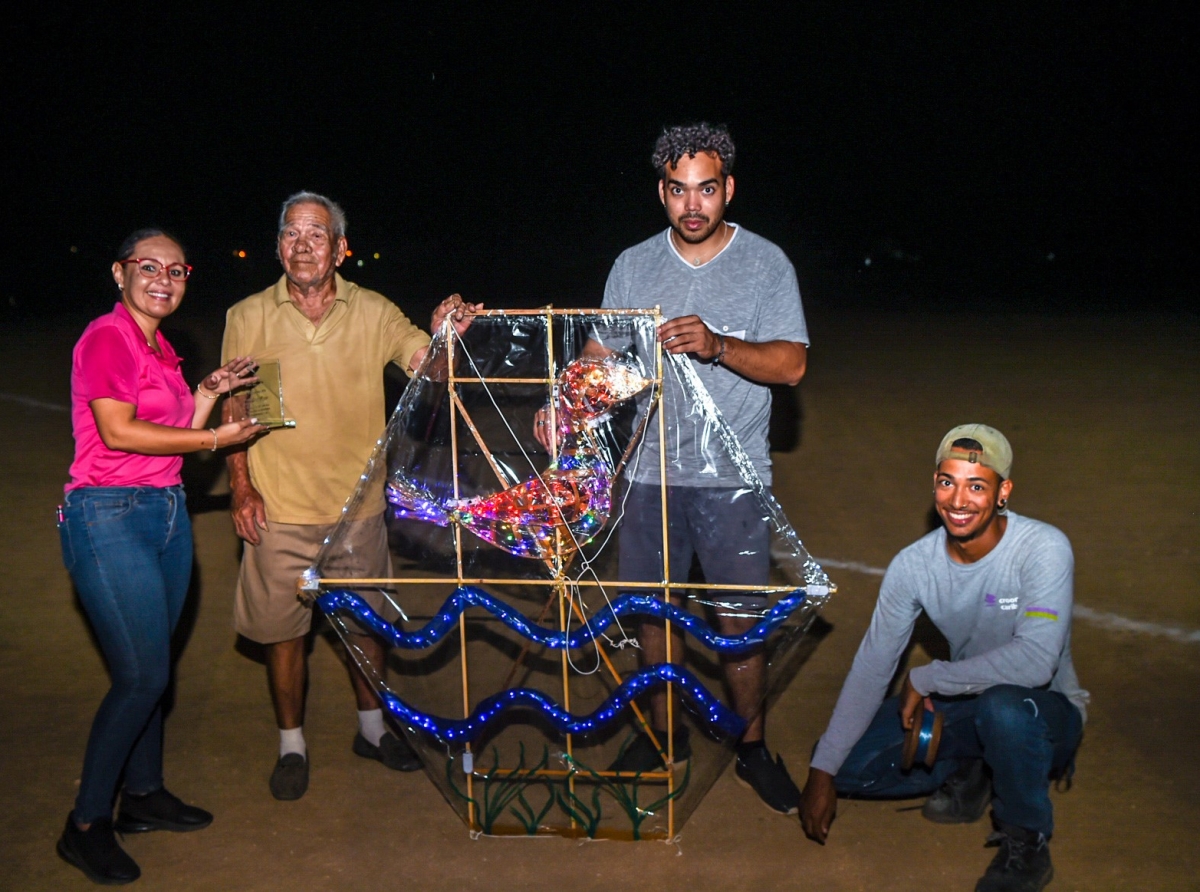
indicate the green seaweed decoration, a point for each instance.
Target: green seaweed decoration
{"x":530,"y":819}
{"x":504,"y":790}
{"x":625,"y":793}
{"x":577,"y":809}
{"x":501,"y":788}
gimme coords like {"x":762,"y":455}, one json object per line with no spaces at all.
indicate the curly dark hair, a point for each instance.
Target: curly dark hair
{"x":691,"y":140}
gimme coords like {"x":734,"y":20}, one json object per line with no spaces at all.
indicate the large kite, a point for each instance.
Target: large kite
{"x":513,"y":667}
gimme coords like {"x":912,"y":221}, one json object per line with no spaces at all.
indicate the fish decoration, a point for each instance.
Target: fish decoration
{"x":589,"y":389}
{"x":552,"y":515}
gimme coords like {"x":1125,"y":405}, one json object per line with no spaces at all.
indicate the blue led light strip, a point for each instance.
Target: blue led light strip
{"x":469,"y":596}
{"x":709,"y":708}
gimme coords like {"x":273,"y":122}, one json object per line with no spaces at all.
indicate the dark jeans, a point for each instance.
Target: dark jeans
{"x":129,"y":553}
{"x":1025,"y":736}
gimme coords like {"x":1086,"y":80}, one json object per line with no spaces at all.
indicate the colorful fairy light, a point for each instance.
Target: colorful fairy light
{"x":554,"y":514}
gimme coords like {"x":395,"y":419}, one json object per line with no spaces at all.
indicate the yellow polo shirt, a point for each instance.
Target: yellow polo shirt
{"x":332,"y":378}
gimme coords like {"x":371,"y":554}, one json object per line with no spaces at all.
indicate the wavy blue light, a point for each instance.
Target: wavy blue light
{"x":709,"y":708}
{"x":469,"y":596}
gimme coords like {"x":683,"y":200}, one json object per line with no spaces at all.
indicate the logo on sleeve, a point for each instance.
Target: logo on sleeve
{"x":1041,"y":613}
{"x":990,"y":600}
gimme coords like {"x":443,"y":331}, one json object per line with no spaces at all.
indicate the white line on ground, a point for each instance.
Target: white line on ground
{"x":1117,"y":623}
{"x":1114,"y":622}
{"x":32,"y":403}
{"x":854,"y":566}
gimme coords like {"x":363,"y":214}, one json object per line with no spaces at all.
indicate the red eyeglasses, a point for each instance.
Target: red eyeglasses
{"x":151,"y":268}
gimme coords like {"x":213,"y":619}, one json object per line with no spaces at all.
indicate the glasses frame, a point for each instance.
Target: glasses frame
{"x":187,"y":268}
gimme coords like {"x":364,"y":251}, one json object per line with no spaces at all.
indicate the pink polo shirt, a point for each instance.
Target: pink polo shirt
{"x":113,"y":361}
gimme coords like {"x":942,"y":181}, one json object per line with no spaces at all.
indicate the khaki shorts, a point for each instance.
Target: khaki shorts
{"x":266,"y":607}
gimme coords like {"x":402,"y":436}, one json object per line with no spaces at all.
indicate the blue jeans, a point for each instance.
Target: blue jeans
{"x":1024,"y":735}
{"x":129,"y":552}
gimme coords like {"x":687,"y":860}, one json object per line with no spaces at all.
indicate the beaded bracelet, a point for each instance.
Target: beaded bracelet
{"x":204,"y":393}
{"x":716,"y":360}
{"x":213,"y":431}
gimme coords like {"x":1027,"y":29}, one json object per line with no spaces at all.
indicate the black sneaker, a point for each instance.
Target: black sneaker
{"x":160,"y":810}
{"x":1021,"y":865}
{"x":962,"y":799}
{"x":95,"y":851}
{"x":642,"y":755}
{"x":289,"y":780}
{"x":394,"y":752}
{"x":769,"y":779}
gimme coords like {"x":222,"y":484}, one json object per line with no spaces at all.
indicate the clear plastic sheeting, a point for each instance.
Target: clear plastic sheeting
{"x":554,"y":677}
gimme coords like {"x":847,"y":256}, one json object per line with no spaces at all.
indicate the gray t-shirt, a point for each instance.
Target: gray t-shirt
{"x":1007,"y":618}
{"x":749,"y":292}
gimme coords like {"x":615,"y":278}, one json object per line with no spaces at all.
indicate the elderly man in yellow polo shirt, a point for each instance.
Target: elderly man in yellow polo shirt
{"x":332,"y":340}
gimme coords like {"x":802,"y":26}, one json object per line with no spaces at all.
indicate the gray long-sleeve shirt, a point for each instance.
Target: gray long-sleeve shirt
{"x":1007,"y":618}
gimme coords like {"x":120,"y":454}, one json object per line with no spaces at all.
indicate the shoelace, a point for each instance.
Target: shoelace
{"x":1015,"y":849}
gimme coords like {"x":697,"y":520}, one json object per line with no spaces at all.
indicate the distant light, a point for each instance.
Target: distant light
{"x":360,"y":263}
{"x":75,"y":250}
{"x":240,"y":254}
{"x":349,"y":253}
{"x":1050,"y":256}
{"x":867,"y":262}
{"x":376,"y":255}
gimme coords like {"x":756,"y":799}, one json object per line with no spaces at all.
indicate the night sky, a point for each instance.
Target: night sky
{"x":1024,"y":156}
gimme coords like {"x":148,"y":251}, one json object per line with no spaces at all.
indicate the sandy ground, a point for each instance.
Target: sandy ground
{"x":1102,"y":415}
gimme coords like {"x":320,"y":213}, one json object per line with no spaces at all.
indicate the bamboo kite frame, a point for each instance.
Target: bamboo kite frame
{"x":559,"y":583}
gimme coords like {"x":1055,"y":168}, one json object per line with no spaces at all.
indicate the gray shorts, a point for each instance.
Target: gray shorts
{"x":266,"y":606}
{"x":725,"y":528}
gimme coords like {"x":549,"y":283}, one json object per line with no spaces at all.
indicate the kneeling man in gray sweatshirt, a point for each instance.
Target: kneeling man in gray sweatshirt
{"x":999,"y":588}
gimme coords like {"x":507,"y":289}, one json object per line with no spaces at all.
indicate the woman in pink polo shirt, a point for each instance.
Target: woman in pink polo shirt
{"x":127,"y":540}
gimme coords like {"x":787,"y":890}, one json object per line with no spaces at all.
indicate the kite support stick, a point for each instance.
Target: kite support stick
{"x":666,"y":576}
{"x":487,"y":453}
{"x":458,"y":555}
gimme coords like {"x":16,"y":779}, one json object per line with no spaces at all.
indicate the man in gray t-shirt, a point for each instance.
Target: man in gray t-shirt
{"x":733,"y":308}
{"x":999,"y":586}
